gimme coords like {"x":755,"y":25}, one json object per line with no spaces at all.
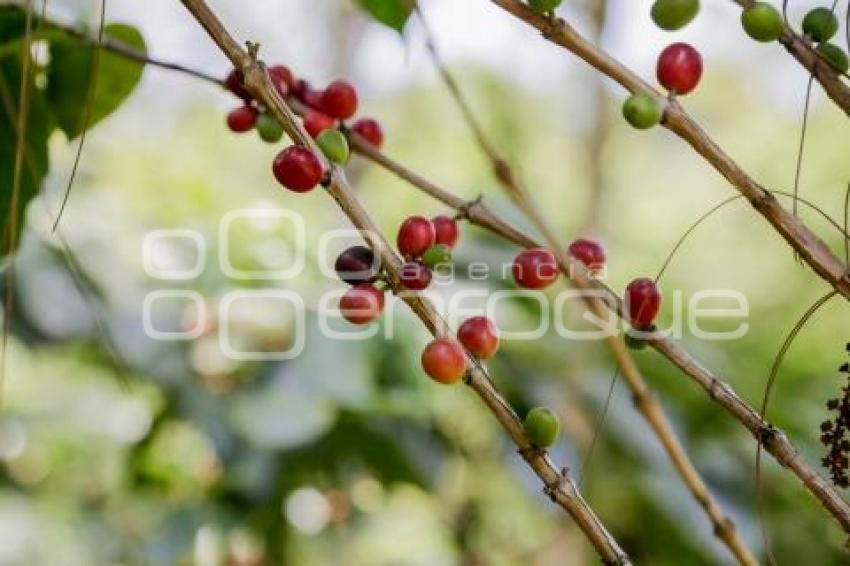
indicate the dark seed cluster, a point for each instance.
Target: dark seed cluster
{"x":835,"y":433}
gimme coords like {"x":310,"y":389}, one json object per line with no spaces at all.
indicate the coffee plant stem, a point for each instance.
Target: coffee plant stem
{"x":811,"y":249}
{"x":645,"y":402}
{"x":558,"y":484}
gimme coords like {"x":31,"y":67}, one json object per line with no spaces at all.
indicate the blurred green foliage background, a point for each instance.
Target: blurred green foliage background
{"x":119,"y":449}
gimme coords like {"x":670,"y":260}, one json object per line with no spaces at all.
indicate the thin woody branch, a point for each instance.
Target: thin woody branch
{"x":820,"y":69}
{"x":810,"y":248}
{"x":558,"y":485}
{"x":645,"y":403}
{"x":718,"y":391}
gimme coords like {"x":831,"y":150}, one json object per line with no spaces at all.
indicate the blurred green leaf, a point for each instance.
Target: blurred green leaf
{"x":69,"y":79}
{"x":391,"y":13}
{"x":35,"y":157}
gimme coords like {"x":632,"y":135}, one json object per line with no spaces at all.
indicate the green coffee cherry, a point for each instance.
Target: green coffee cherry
{"x":642,"y":111}
{"x":835,"y":55}
{"x":671,"y":15}
{"x":334,"y":145}
{"x":269,"y":128}
{"x":635,"y":343}
{"x":763,"y":22}
{"x":544,"y":6}
{"x":820,"y":24}
{"x":542,"y":427}
{"x":437,"y":255}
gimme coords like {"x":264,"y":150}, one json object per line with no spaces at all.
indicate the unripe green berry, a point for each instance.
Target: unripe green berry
{"x":763,"y":22}
{"x":269,"y":128}
{"x":671,"y":15}
{"x":820,"y":24}
{"x":543,"y":6}
{"x":642,"y":111}
{"x":542,"y":427}
{"x":835,"y":55}
{"x":437,"y":255}
{"x":334,"y":145}
{"x":635,"y":343}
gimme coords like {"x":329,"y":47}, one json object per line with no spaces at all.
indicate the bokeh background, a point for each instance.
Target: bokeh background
{"x":119,"y":449}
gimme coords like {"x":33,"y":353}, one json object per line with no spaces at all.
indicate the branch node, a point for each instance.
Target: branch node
{"x":723,"y":526}
{"x":766,"y":434}
{"x":253,"y":50}
{"x":463,"y":211}
{"x":467,"y":377}
{"x":551,"y":489}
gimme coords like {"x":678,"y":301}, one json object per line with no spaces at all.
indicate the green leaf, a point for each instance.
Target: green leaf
{"x":69,"y":74}
{"x":391,"y":13}
{"x":12,"y":23}
{"x":35,"y":157}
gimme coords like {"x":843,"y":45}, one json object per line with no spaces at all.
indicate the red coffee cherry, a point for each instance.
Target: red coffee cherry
{"x":643,"y":301}
{"x":362,"y":304}
{"x":315,"y":123}
{"x":679,"y":68}
{"x":415,"y":276}
{"x":282,"y":79}
{"x":446,"y":230}
{"x":590,"y":252}
{"x":233,"y":83}
{"x":303,"y":92}
{"x":298,"y":169}
{"x":339,"y":100}
{"x":444,"y":361}
{"x":479,"y":336}
{"x":370,"y":130}
{"x":242,"y":119}
{"x":356,"y":265}
{"x":535,"y":269}
{"x":415,"y":236}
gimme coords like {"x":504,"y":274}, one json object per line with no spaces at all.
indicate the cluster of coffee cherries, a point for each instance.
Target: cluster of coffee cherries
{"x":835,"y":432}
{"x":298,"y":168}
{"x":537,"y":269}
{"x":679,"y":66}
{"x":763,"y":22}
{"x":425,"y":245}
